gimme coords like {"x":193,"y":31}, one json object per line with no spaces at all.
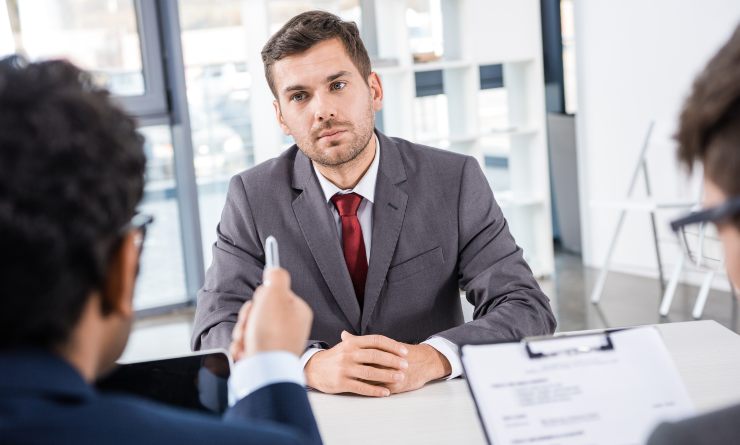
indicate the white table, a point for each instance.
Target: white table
{"x":706,"y":354}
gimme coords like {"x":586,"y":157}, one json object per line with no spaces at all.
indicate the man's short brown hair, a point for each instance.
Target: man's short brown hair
{"x":709,"y":126}
{"x":306,"y":30}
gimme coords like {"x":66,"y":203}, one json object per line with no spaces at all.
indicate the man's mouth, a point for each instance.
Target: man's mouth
{"x":330,"y":134}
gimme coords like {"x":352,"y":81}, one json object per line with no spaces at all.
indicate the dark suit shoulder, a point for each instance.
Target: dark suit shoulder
{"x":716,"y":427}
{"x":270,"y":173}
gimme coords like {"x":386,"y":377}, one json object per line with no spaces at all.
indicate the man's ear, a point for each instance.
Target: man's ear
{"x":118,"y":288}
{"x":279,"y":117}
{"x":376,"y":91}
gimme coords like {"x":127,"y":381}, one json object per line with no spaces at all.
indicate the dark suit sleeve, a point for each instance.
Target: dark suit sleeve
{"x":277,"y":414}
{"x":236,"y":270}
{"x":714,"y":427}
{"x":508,"y":302}
{"x":668,"y":434}
{"x":283,"y":403}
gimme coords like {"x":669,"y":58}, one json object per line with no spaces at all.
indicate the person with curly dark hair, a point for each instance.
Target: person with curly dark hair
{"x":709,"y":133}
{"x":71,"y":176}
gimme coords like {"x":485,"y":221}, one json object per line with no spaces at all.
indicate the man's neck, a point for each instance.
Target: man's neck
{"x":81,"y":350}
{"x":347,"y":175}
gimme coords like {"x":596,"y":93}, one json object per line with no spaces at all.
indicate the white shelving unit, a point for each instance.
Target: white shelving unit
{"x":480,"y":33}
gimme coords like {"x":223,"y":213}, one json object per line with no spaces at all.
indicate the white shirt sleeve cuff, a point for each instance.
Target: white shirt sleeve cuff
{"x":308,"y":354}
{"x":263,"y":369}
{"x":449,"y":350}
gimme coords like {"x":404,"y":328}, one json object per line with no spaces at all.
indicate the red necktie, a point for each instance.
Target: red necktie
{"x":352,"y":243}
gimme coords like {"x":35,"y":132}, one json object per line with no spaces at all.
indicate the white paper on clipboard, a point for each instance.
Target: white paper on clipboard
{"x":605,"y":388}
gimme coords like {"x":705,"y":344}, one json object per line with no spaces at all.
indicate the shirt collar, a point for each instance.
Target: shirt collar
{"x":364,"y":188}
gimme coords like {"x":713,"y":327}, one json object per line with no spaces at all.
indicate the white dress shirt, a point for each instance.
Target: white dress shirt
{"x":266,"y":368}
{"x":366,"y":189}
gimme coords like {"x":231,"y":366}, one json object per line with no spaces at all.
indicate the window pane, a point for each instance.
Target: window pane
{"x":99,"y":36}
{"x":218,"y":88}
{"x":161,"y":275}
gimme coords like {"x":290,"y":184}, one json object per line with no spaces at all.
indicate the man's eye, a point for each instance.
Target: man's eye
{"x":338,"y":85}
{"x":297,"y":97}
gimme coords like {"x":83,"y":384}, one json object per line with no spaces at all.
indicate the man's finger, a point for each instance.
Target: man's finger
{"x":381,"y":342}
{"x":366,"y":389}
{"x":236,"y":351}
{"x":276,"y":277}
{"x":377,"y":357}
{"x":372,"y":374}
{"x":244,"y":311}
{"x":241,"y":321}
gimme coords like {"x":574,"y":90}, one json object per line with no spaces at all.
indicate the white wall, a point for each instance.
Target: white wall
{"x":636,"y":61}
{"x":6,"y":35}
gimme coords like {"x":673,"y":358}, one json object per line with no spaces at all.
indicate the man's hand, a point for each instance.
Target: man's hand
{"x":365,"y":365}
{"x":274,"y":320}
{"x":425,"y":364}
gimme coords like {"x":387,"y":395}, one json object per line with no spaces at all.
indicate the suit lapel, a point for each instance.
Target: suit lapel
{"x":320,"y":232}
{"x":389,"y":209}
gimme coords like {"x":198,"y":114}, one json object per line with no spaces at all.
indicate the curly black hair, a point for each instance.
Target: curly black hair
{"x":71,"y":175}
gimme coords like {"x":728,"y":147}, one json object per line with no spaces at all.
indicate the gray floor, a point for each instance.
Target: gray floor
{"x":628,"y":300}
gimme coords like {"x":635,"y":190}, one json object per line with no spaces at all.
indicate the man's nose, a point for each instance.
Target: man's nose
{"x":325,"y":108}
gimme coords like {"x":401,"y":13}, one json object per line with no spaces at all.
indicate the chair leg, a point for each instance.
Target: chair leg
{"x":701,"y":299}
{"x":670,"y":290}
{"x":601,"y":281}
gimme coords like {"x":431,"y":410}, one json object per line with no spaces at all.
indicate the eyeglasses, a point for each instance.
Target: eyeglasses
{"x":139,"y":224}
{"x":698,"y":236}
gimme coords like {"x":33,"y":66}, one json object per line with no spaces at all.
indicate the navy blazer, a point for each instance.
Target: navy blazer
{"x":44,"y":400}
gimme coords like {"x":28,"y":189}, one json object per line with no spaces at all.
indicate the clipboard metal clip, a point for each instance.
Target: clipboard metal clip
{"x":572,"y":348}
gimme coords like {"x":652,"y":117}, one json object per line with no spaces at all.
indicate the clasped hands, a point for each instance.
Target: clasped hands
{"x":374,"y":365}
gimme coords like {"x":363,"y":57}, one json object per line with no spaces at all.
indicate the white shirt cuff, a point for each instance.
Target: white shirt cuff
{"x":265,"y":368}
{"x":308,"y":354}
{"x":449,"y":350}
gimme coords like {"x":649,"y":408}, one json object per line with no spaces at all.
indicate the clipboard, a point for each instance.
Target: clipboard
{"x":594,"y":387}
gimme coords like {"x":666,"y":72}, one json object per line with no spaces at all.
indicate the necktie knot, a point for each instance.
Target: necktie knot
{"x":347,"y":203}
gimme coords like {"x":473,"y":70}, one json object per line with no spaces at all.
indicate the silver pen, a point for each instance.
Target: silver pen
{"x":272,"y":257}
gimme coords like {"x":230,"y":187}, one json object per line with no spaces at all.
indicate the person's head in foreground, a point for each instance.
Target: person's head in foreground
{"x":71,"y":176}
{"x":709,"y":132}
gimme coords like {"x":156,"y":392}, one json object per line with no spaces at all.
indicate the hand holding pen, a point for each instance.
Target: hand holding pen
{"x":275,"y":319}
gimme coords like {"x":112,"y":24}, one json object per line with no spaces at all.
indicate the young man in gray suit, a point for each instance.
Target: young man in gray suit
{"x":380,"y":233}
{"x":709,"y":132}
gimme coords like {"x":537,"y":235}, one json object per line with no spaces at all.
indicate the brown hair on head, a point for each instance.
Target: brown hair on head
{"x":709,"y":126}
{"x":306,"y":30}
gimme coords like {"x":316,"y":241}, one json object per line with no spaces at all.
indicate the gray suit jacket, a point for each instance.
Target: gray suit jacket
{"x":715,"y":428}
{"x":436,"y":229}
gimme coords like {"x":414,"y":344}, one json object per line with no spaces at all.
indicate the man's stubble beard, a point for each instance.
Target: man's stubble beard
{"x":356,"y":145}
